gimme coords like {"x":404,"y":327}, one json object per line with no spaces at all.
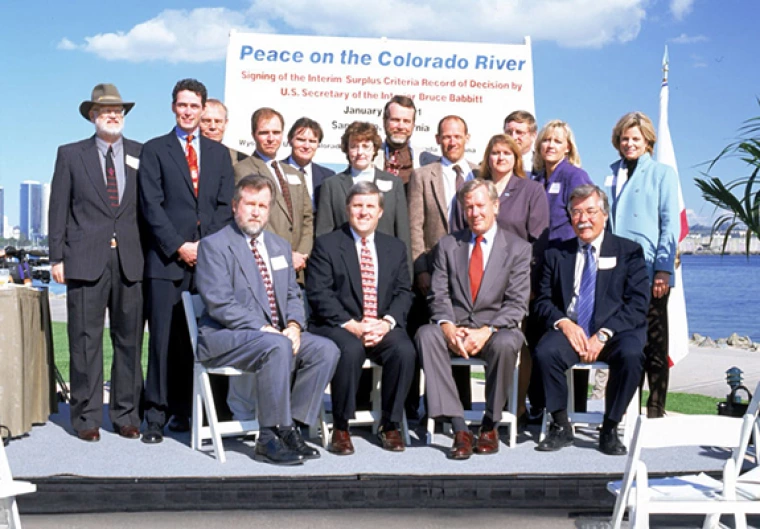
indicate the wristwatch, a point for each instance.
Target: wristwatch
{"x":602,"y":337}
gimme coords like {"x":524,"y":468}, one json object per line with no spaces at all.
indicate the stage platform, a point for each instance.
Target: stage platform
{"x":117,"y":474}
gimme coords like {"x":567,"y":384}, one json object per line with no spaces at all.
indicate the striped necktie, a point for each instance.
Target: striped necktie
{"x":192,"y":162}
{"x":369,"y":290}
{"x":268,"y":285}
{"x":587,"y":293}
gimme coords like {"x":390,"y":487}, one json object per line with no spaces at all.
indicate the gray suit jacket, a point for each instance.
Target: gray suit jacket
{"x":503,"y":297}
{"x":299,"y":230}
{"x":82,"y":220}
{"x":230,"y":284}
{"x":427,"y":205}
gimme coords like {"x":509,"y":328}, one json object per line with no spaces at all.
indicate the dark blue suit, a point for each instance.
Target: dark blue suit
{"x":173,"y":215}
{"x":621,"y":303}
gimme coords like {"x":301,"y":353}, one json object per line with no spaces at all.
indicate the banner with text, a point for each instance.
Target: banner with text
{"x":336,"y":81}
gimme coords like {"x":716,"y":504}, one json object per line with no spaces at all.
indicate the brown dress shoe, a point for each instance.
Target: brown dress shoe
{"x":391,"y":440}
{"x":488,"y":442}
{"x":90,"y":435}
{"x":129,"y":432}
{"x":462,"y":448}
{"x":341,"y":443}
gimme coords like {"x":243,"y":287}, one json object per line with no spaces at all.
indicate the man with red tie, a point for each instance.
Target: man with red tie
{"x":478,"y":298}
{"x":185,"y":189}
{"x":359,"y":291}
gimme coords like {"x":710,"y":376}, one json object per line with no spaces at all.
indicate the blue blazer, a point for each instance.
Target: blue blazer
{"x":647,"y":212}
{"x":622,"y":288}
{"x":563,"y":180}
{"x":171,"y":212}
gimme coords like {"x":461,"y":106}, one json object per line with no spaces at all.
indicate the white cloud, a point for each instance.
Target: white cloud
{"x":681,"y":8}
{"x":683,"y":38}
{"x":697,"y":61}
{"x":200,"y":35}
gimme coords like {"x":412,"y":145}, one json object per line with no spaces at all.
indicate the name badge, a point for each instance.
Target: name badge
{"x":609,"y":181}
{"x":293,"y":179}
{"x":607,"y":263}
{"x":554,"y":188}
{"x":279,"y":262}
{"x":132,"y":162}
{"x":384,"y":185}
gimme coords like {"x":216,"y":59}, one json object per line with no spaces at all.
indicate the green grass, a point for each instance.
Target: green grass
{"x":61,"y":351}
{"x":686,"y":403}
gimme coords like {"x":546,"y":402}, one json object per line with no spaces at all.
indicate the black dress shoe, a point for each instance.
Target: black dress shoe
{"x":277,"y":453}
{"x":559,"y":437}
{"x":293,"y":440}
{"x":153,"y":434}
{"x":179,"y":424}
{"x":610,"y":444}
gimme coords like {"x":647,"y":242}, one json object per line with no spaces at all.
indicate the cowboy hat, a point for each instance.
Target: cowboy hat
{"x":104,"y":94}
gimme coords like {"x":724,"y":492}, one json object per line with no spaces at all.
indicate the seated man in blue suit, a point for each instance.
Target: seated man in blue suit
{"x":254,"y":319}
{"x":592,"y":298}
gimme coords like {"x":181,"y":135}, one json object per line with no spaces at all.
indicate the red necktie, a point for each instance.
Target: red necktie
{"x":267,"y":284}
{"x":112,"y":187}
{"x":192,"y":162}
{"x":476,"y":267}
{"x":369,"y":291}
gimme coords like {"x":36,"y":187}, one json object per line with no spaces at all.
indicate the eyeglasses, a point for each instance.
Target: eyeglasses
{"x":590,"y":213}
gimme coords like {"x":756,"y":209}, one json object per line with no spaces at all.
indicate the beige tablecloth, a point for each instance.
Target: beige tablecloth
{"x":27,"y":376}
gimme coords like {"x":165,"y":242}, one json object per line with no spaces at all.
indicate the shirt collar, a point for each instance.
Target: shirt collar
{"x":292,"y":162}
{"x":267,"y":159}
{"x":182,"y":135}
{"x":103,"y":145}
{"x":358,"y":238}
{"x":596,"y":243}
{"x":487,"y":236}
{"x":368,"y":173}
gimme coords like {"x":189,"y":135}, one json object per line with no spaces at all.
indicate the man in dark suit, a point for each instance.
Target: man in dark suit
{"x":360,"y":142}
{"x":359,"y":289}
{"x":214,"y":123}
{"x":254,"y":320}
{"x":304,"y":137}
{"x":591,"y":308}
{"x":95,"y":249}
{"x":478,"y":299}
{"x":520,"y":125}
{"x":185,"y":189}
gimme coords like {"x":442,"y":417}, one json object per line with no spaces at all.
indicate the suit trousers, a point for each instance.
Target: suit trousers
{"x":397,"y":355}
{"x":554,"y":355}
{"x":656,"y":365}
{"x":169,"y":383}
{"x":500,"y":355}
{"x":284,"y":386}
{"x":86,"y":302}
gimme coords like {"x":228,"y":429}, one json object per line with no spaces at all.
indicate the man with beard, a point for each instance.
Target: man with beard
{"x":95,"y":250}
{"x":214,"y":123}
{"x":254,"y":320}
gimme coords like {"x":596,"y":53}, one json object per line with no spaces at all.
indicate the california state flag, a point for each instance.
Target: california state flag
{"x":678,"y":331}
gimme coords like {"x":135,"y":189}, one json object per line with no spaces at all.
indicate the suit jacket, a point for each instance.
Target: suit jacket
{"x":172,"y":214}
{"x":647,"y":212}
{"x":622,"y":288}
{"x":559,"y":186}
{"x":236,"y":156}
{"x":318,"y":175}
{"x":504,"y":291}
{"x":233,"y":291}
{"x":82,"y":220}
{"x":427,"y":205}
{"x":298,"y":230}
{"x":333,"y":279}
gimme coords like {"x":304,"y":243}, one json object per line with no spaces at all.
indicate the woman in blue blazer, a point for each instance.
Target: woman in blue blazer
{"x":644,"y":198}
{"x":556,"y":164}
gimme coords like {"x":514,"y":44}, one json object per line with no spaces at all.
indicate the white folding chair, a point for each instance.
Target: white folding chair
{"x":697,"y":494}
{"x":475,"y":417}
{"x":9,"y":489}
{"x":203,"y":398}
{"x":593,"y":418}
{"x":373,"y":415}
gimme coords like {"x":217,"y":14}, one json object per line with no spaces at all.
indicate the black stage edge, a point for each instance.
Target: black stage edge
{"x":87,"y":495}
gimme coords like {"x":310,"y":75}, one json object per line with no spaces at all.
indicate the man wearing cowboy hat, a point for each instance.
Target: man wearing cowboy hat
{"x":95,"y":250}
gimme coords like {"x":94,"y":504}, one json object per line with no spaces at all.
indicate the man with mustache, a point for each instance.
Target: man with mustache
{"x":95,"y":250}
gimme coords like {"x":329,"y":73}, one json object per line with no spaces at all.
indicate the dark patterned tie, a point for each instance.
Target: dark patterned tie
{"x":192,"y":162}
{"x":268,"y":285}
{"x":460,"y":177}
{"x":369,"y":291}
{"x":284,"y":188}
{"x":112,"y":186}
{"x":587,"y":292}
{"x":476,"y":267}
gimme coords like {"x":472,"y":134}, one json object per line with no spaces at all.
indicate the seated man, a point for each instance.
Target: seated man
{"x":359,"y":289}
{"x":253,"y":321}
{"x":592,"y":308}
{"x":478,"y":298}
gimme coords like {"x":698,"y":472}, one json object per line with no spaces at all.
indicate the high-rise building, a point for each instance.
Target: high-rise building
{"x":31,"y":209}
{"x":45,"y":206}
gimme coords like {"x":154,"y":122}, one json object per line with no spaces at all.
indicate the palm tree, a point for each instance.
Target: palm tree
{"x":742,"y":208}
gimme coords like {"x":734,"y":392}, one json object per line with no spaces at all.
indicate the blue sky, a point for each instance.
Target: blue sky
{"x":593,"y":62}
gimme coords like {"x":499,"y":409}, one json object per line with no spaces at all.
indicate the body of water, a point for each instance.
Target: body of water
{"x":722,"y":295}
